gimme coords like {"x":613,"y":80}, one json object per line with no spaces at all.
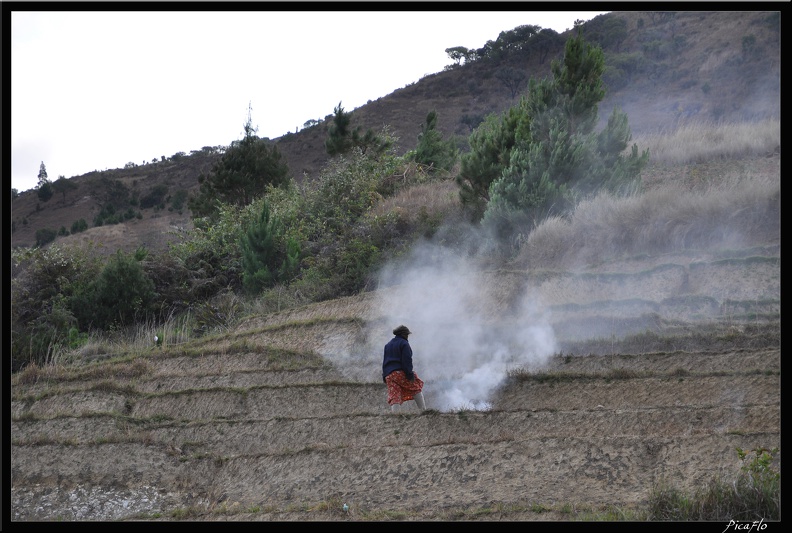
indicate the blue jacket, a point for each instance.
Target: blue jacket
{"x":397,"y":356}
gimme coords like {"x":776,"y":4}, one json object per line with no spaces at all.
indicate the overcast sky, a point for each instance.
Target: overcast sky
{"x":95,"y":90}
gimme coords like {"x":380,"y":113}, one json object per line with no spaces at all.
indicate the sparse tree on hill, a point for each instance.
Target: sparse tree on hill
{"x":45,"y":192}
{"x":339,"y":134}
{"x":42,"y":175}
{"x":44,"y":187}
{"x":432,"y":150}
{"x":518,"y":38}
{"x":457,"y":54}
{"x":545,"y":42}
{"x":62,"y":185}
{"x":112,"y":192}
{"x":79,"y":225}
{"x":341,"y":138}
{"x":511,"y":78}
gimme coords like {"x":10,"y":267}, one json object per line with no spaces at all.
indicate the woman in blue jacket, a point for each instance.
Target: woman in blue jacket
{"x":398,"y":374}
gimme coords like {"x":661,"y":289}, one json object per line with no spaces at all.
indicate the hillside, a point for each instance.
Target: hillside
{"x":283,"y":418}
{"x":666,"y":71}
{"x":628,"y":349}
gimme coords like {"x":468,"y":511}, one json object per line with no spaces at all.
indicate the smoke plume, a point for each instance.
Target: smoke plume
{"x":468,"y":329}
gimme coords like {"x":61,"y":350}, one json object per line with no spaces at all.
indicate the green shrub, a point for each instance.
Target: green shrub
{"x":179,"y":199}
{"x":267,"y":256}
{"x":79,"y":226}
{"x":154,"y":197}
{"x":76,"y":338}
{"x":432,"y":150}
{"x":121,"y":293}
{"x":42,"y":284}
{"x":755,"y":493}
{"x":209,"y":254}
{"x":45,"y":236}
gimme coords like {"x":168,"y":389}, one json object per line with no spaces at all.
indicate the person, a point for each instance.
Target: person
{"x":398,"y":373}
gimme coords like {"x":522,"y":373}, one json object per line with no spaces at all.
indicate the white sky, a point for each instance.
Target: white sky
{"x":95,"y":90}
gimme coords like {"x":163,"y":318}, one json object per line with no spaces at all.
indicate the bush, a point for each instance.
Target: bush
{"x":45,"y":236}
{"x":431,"y":149}
{"x":79,"y":225}
{"x":755,"y":493}
{"x":179,"y":199}
{"x":43,"y":282}
{"x":267,"y":257}
{"x":210,"y":255}
{"x":45,"y":192}
{"x":122,"y":293}
{"x":154,"y":197}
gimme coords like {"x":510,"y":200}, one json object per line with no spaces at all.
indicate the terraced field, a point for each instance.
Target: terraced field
{"x":659,"y":368}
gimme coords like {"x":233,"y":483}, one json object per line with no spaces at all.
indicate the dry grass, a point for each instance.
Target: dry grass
{"x":107,"y":377}
{"x":699,"y":141}
{"x":435,"y":198}
{"x":725,"y":206}
{"x":728,"y":215}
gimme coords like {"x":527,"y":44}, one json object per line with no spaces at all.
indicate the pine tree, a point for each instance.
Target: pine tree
{"x":44,"y":187}
{"x":432,"y":150}
{"x":559,"y":158}
{"x":341,"y":138}
{"x":42,"y":175}
{"x":266,"y":259}
{"x":120,"y":295}
{"x":491,"y":144}
{"x":242,"y":174}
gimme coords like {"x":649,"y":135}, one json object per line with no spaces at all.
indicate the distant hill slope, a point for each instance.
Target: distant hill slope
{"x":663,"y":69}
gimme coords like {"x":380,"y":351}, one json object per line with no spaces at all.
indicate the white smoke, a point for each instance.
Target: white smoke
{"x":466,"y":335}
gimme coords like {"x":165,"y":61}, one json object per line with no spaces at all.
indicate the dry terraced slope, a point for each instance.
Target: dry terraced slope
{"x":267,"y":423}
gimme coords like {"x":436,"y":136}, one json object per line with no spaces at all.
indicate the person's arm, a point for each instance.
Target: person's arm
{"x":407,"y":364}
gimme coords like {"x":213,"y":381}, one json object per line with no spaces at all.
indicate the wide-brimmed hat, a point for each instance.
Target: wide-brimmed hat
{"x":402,"y":330}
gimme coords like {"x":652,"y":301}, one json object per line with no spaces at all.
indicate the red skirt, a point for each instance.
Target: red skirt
{"x":400,"y":389}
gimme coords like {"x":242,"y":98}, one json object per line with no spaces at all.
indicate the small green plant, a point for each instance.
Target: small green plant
{"x":758,"y":467}
{"x":539,"y":508}
{"x":756,"y":492}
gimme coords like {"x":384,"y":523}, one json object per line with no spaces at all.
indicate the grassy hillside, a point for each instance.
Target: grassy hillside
{"x":615,"y":370}
{"x":364,"y":223}
{"x":624,"y":365}
{"x":665,"y":71}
